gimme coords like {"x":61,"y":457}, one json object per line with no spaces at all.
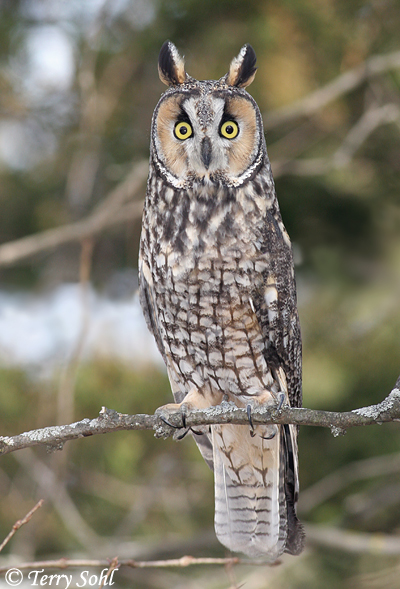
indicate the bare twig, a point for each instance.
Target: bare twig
{"x":345,"y":540}
{"x":358,"y":134}
{"x":54,"y":437}
{"x":56,"y":492}
{"x":114,"y":565}
{"x":112,"y":211}
{"x":357,"y":542}
{"x":341,"y":478}
{"x":338,"y":87}
{"x":182,"y":562}
{"x":20,"y":523}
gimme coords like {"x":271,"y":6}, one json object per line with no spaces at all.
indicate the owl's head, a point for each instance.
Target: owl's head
{"x":207,"y":132}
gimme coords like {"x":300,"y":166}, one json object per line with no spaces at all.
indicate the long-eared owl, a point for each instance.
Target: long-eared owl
{"x":218,"y":293}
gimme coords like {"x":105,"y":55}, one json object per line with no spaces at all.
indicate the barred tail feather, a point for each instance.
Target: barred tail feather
{"x":254,"y":500}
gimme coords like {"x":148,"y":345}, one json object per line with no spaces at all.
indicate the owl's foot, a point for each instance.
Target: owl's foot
{"x":166,"y":412}
{"x":280,"y":399}
{"x":252,"y":428}
{"x":187,"y":430}
{"x":181,"y":436}
{"x":268,"y":399}
{"x":164,"y":419}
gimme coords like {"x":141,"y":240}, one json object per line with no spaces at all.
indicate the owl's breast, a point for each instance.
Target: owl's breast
{"x":210,"y":331}
{"x":214,"y":260}
{"x":210,"y":264}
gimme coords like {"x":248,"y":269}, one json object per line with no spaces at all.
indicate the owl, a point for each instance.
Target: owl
{"x":218,"y":293}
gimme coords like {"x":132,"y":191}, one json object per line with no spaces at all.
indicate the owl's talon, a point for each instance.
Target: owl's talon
{"x":281,"y":399}
{"x":248,"y":411}
{"x":183,"y":418}
{"x":168,"y":423}
{"x":185,"y":433}
{"x":181,"y":436}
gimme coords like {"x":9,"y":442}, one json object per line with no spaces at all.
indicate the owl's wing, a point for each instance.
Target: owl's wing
{"x":281,"y":333}
{"x":275,"y":305}
{"x":147,"y":302}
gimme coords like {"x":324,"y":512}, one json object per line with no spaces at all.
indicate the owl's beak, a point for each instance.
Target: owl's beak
{"x":205,"y":152}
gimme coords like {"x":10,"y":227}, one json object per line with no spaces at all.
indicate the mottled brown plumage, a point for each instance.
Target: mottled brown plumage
{"x":218,"y":293}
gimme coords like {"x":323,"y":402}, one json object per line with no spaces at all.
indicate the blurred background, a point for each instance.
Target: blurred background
{"x":78,"y":85}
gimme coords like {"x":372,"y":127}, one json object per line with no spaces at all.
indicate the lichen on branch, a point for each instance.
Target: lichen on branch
{"x":54,"y":437}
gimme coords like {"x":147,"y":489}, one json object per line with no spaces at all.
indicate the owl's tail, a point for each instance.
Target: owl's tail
{"x":256,"y":490}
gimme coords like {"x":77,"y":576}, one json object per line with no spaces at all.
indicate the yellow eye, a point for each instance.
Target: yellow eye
{"x":183,"y":130}
{"x":229,"y":129}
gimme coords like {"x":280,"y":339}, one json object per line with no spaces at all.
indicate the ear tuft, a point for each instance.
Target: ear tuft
{"x":171,"y":66}
{"x":243,"y":68}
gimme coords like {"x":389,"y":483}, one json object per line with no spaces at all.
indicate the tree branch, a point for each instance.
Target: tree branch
{"x":334,"y":482}
{"x":54,"y":437}
{"x":358,"y":134}
{"x":55,"y":491}
{"x":355,"y":542}
{"x":341,"y":85}
{"x":112,"y":211}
